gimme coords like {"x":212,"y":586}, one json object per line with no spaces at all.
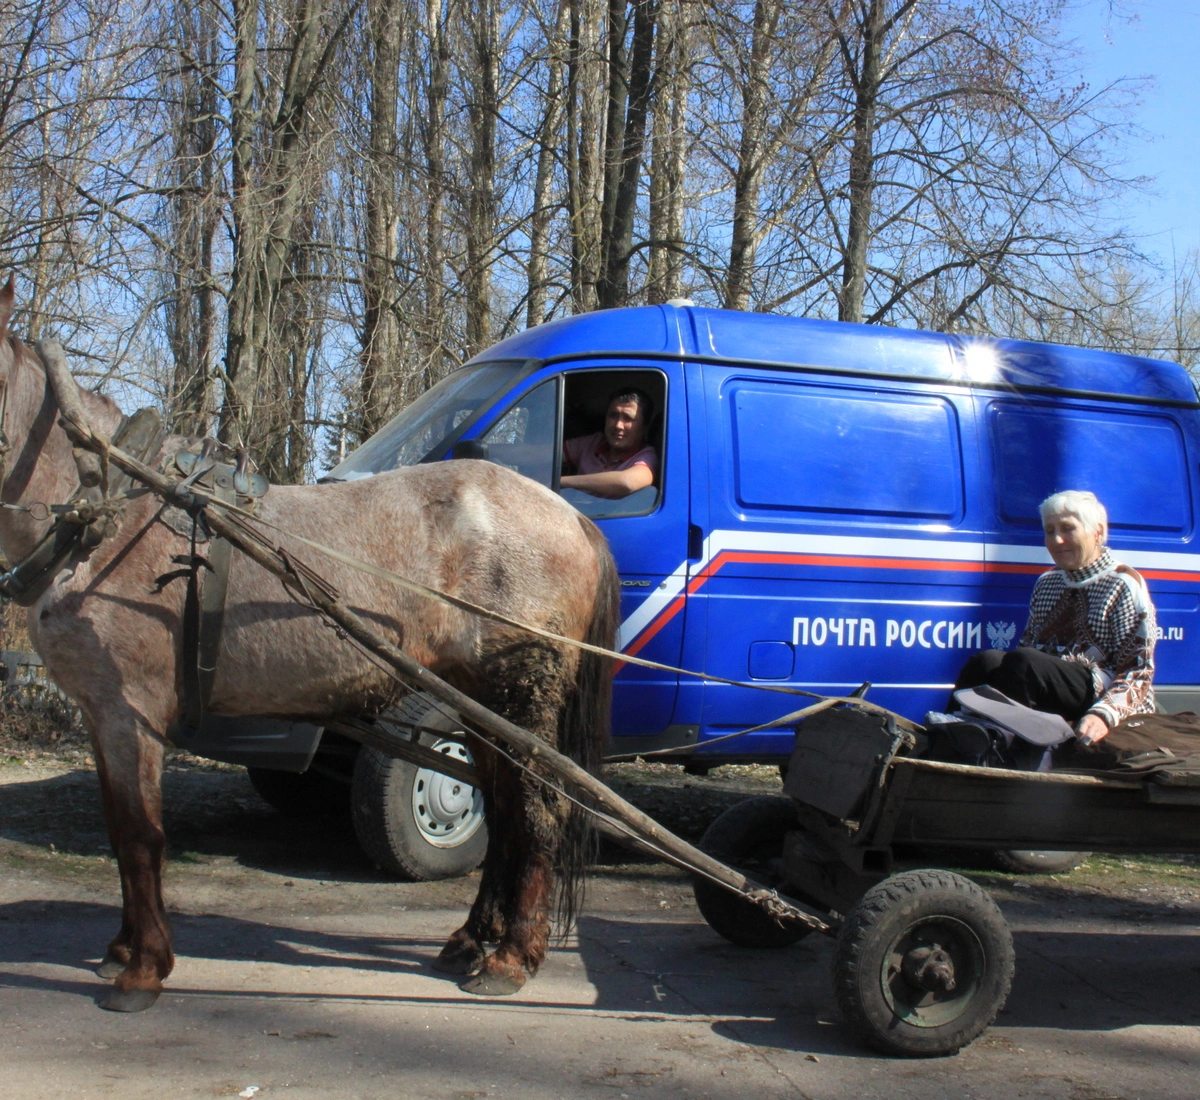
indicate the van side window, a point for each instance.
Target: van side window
{"x":840,"y":451}
{"x":523,"y":439}
{"x":1125,"y":458}
{"x":585,"y":410}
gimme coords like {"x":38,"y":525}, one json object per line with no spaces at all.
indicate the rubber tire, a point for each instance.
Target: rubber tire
{"x":748,"y":836}
{"x":878,"y":921}
{"x":381,"y":809}
{"x":1028,"y":862}
{"x":305,"y":794}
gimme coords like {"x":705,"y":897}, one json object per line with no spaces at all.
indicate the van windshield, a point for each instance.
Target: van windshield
{"x":423,"y":426}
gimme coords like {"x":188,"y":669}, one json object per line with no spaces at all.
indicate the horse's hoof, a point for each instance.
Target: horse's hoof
{"x":129,"y":1000}
{"x":491,"y":985}
{"x":109,"y":968}
{"x":460,"y":961}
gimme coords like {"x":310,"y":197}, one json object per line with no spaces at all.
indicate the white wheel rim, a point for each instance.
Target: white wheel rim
{"x":448,"y":812}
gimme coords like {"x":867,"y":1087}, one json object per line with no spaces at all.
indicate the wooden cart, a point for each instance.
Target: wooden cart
{"x":924,"y":959}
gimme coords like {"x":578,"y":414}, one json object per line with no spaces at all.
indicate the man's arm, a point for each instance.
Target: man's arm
{"x":612,"y":484}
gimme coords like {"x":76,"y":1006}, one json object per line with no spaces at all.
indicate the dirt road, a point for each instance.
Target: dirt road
{"x":302,"y":973}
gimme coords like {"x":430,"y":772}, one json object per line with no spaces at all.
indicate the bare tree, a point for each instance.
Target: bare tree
{"x":669,"y":144}
{"x":380,"y":329}
{"x":269,"y":183}
{"x":193,"y":214}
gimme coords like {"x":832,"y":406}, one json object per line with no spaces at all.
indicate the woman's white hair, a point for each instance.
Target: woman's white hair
{"x":1084,"y":506}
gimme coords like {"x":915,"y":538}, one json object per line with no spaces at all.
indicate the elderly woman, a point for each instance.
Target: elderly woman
{"x":1087,"y":652}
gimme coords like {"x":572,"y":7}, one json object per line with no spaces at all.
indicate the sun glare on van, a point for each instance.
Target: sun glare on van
{"x":980,"y":362}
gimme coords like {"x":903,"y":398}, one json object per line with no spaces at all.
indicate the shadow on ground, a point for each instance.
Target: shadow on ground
{"x":1072,"y":980}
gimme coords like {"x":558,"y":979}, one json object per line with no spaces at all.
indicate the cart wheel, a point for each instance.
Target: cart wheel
{"x":748,"y":836}
{"x":1022,"y":862}
{"x":923,"y":963}
{"x":416,"y":823}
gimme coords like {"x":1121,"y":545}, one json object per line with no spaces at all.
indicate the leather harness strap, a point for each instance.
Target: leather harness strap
{"x":208,"y":582}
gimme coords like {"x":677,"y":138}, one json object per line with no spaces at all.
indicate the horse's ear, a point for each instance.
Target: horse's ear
{"x":7,"y":297}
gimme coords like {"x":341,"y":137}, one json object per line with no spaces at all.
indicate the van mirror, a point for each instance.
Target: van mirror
{"x":470,"y":448}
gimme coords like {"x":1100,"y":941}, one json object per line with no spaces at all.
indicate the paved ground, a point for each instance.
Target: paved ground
{"x":301,"y":973}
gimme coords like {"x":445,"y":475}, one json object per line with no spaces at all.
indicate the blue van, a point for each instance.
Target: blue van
{"x":836,"y":503}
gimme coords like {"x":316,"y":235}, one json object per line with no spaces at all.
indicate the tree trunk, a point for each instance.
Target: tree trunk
{"x":195,"y":219}
{"x":625,"y":168}
{"x":482,"y":112}
{"x":381,"y":335}
{"x":584,"y":176}
{"x":433,"y":130}
{"x":548,"y":142}
{"x":669,"y":154}
{"x":266,"y":209}
{"x":756,"y":97}
{"x":241,"y":367}
{"x":865,"y":77}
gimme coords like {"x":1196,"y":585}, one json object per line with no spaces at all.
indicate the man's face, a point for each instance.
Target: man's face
{"x":625,"y":426}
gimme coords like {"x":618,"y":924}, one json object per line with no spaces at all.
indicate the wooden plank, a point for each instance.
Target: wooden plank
{"x":1078,"y":779}
{"x":969,"y":808}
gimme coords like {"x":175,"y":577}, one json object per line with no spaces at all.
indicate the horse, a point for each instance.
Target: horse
{"x":111,"y":635}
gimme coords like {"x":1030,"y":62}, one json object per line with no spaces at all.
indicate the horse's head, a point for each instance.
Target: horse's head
{"x":36,"y":463}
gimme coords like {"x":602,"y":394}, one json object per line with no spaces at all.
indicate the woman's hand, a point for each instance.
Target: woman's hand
{"x":1090,"y":729}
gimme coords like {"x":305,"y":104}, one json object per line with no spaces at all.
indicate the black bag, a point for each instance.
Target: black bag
{"x":984,"y":747}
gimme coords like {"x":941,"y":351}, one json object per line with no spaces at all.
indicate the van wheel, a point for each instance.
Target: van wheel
{"x":411,"y":821}
{"x":1028,"y":862}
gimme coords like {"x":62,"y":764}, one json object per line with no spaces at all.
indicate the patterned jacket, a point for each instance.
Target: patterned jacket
{"x":1101,"y":617}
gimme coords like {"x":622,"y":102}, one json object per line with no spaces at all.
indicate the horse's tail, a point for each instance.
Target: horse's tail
{"x":584,"y":732}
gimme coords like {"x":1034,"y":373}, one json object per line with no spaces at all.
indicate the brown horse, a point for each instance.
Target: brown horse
{"x":473,"y":529}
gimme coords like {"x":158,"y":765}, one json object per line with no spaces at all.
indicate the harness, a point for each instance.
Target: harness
{"x":93,"y":514}
{"x":84,"y":522}
{"x":207,"y":574}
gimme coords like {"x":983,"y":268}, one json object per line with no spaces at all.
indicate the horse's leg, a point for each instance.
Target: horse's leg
{"x":535,"y":832}
{"x":529,"y":685}
{"x":129,"y":763}
{"x":464,"y":951}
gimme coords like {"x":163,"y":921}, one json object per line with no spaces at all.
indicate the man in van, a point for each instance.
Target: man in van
{"x":617,"y":461}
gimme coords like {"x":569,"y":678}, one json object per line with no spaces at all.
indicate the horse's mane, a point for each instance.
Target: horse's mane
{"x":106,"y":411}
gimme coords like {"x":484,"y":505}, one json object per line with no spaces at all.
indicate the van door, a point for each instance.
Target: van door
{"x":841,"y":544}
{"x":647,"y":531}
{"x":1136,"y":462}
{"x":648,"y":535}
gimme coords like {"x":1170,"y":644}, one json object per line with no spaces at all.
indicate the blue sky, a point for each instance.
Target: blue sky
{"x":1161,"y":41}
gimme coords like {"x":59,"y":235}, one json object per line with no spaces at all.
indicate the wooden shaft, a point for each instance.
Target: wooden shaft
{"x":66,"y":392}
{"x":398,"y":746}
{"x":514,"y":737}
